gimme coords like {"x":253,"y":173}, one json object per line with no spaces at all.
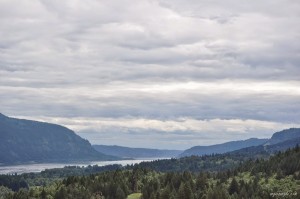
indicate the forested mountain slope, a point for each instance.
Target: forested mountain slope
{"x":223,"y":148}
{"x":31,"y":141}
{"x":285,"y":138}
{"x":257,"y":178}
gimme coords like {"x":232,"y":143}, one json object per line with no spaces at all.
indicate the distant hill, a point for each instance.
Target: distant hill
{"x":265,"y":150}
{"x":127,"y":152}
{"x":31,"y":141}
{"x":273,"y":145}
{"x":279,"y":141}
{"x":284,"y":135}
{"x":229,"y":160}
{"x":223,"y":148}
{"x":282,"y":146}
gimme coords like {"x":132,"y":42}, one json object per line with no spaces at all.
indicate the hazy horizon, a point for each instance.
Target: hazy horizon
{"x":153,"y":73}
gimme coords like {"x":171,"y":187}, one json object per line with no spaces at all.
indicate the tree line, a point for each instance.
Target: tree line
{"x":256,"y":178}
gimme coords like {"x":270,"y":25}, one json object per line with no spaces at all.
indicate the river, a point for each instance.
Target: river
{"x":27,"y":168}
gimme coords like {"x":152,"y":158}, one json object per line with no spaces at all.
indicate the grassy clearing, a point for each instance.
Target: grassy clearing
{"x":134,"y":196}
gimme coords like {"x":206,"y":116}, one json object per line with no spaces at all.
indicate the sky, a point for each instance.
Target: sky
{"x":166,"y":74}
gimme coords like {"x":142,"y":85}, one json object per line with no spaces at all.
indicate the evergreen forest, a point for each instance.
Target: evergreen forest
{"x":211,"y":177}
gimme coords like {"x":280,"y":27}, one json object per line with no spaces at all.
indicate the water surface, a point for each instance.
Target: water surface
{"x":27,"y":168}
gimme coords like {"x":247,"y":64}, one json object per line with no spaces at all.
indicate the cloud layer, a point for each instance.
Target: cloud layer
{"x":156,"y":70}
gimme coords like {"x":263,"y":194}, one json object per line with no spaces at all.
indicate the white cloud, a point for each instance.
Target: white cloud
{"x":177,"y":133}
{"x":157,"y":60}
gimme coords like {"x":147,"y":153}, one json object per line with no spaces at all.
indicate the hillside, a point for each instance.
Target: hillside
{"x":127,"y":152}
{"x":280,"y":141}
{"x":255,"y":178}
{"x":268,"y":149}
{"x":284,"y":135}
{"x":222,"y":161}
{"x":31,"y":141}
{"x":253,"y":172}
{"x":223,"y":148}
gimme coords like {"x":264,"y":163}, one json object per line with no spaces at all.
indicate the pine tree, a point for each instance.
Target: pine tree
{"x":185,"y":191}
{"x":61,"y":194}
{"x":120,"y":193}
{"x":166,"y":193}
{"x":43,"y":194}
{"x":234,"y":187}
{"x":201,"y":182}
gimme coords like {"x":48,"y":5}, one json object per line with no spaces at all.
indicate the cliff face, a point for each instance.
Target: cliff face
{"x":31,"y":141}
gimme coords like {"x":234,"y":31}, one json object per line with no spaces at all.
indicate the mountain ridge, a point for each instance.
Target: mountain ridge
{"x":24,"y":140}
{"x":279,"y":141}
{"x":286,"y":134}
{"x":223,"y":147}
{"x":128,"y":152}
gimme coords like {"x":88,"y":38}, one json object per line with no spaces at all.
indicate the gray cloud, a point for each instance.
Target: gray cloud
{"x":158,"y":60}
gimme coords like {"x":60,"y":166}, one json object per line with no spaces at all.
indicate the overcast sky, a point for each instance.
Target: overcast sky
{"x":157,"y":73}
